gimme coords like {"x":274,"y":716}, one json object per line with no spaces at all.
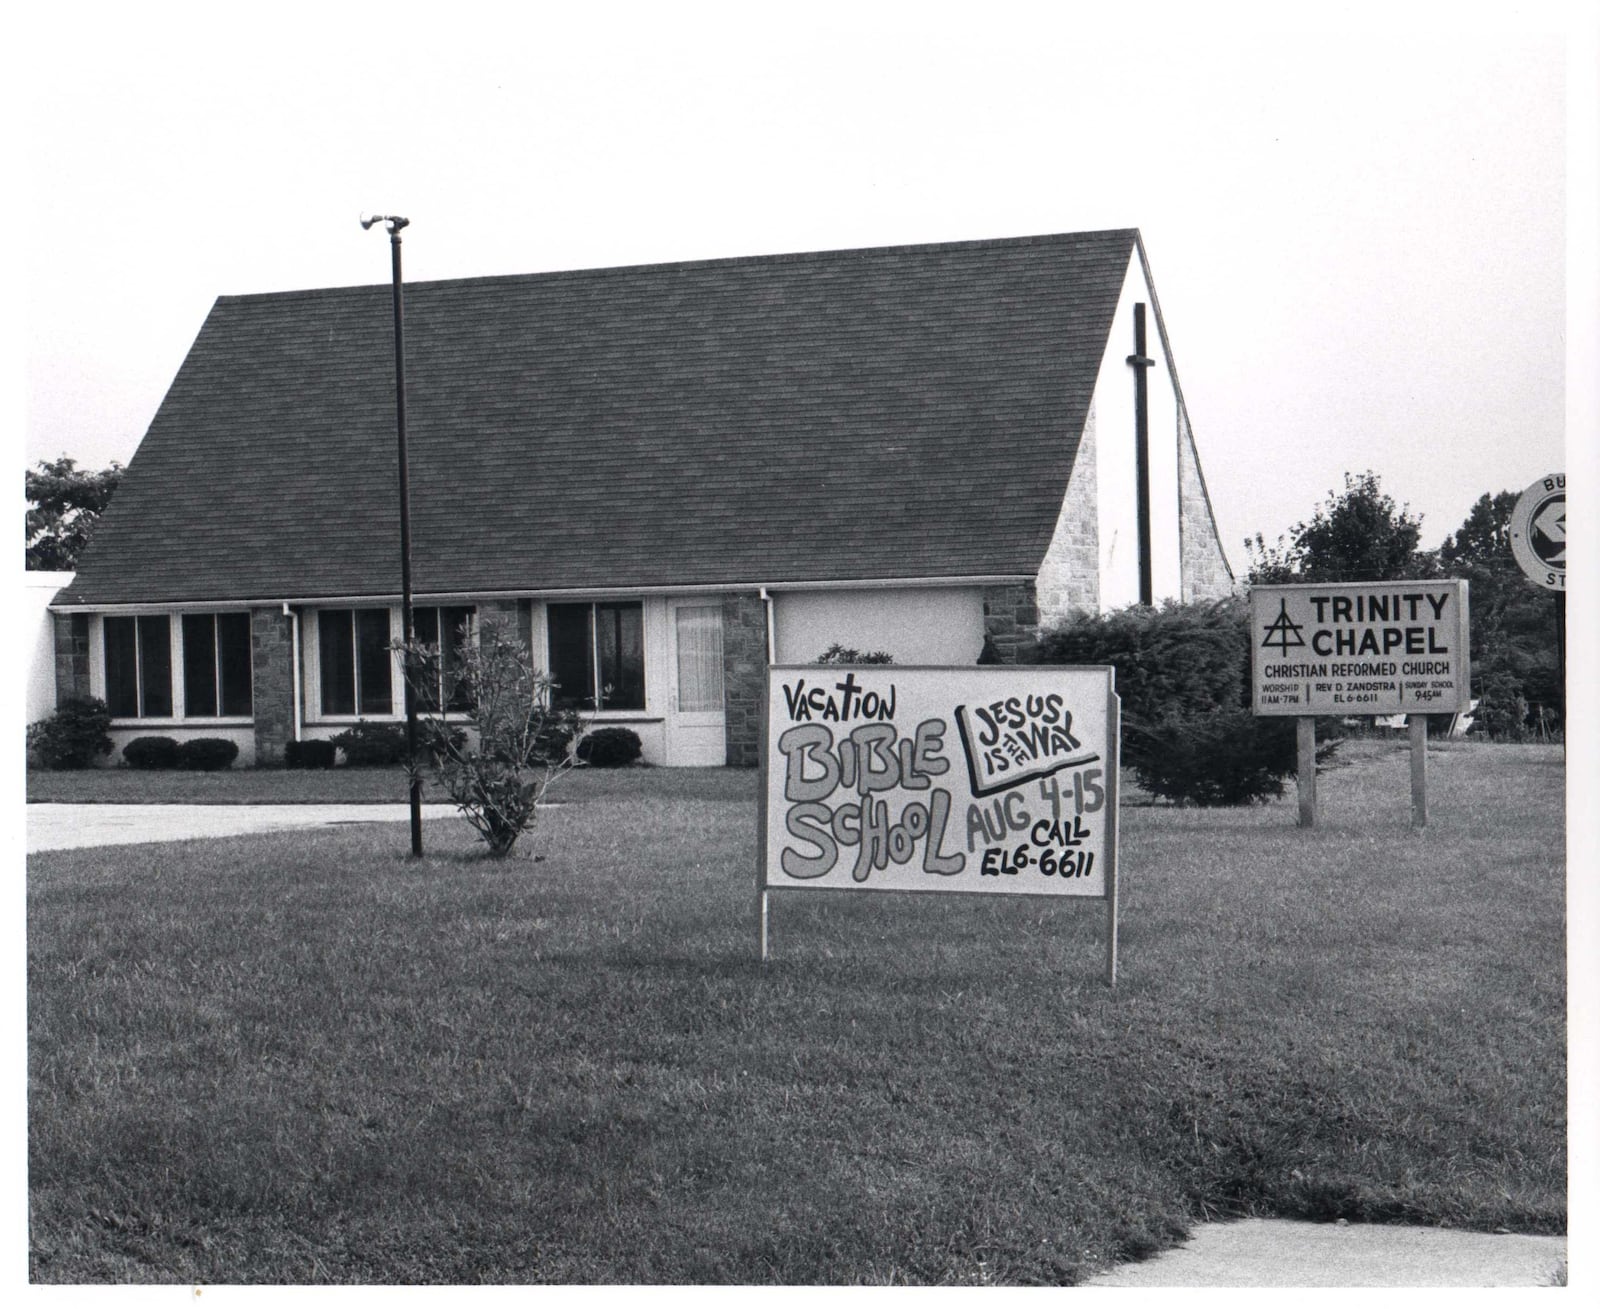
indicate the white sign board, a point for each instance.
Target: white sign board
{"x":883,"y":778}
{"x":1539,"y":532}
{"x":1359,"y":648}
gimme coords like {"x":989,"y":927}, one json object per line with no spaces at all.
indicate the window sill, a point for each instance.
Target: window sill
{"x":124,"y":724}
{"x":386,"y":720}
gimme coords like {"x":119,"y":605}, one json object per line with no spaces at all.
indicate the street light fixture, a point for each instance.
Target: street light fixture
{"x":394,"y":223}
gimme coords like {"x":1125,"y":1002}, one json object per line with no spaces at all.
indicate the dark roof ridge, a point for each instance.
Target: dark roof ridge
{"x":724,"y":261}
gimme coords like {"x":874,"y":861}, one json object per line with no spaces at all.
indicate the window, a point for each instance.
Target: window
{"x":597,"y":654}
{"x":453,"y":624}
{"x":699,"y":659}
{"x":216,"y":665}
{"x":353,"y":661}
{"x":139,"y":666}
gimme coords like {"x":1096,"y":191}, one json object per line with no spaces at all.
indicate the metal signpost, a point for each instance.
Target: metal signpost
{"x":1343,"y":648}
{"x":987,"y":780}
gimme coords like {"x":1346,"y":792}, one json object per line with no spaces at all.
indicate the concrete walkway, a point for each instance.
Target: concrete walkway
{"x":73,"y":826}
{"x":1275,"y":1252}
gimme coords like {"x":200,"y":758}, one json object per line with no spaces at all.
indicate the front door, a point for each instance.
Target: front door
{"x":695,"y":714}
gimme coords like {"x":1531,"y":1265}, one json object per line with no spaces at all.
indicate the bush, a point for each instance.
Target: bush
{"x":372,"y":745}
{"x":1227,"y":757}
{"x":610,"y":747}
{"x":1175,"y":661}
{"x":1183,"y":673}
{"x":151,"y":752}
{"x":206,"y":754}
{"x":309,"y":754}
{"x":552,"y":738}
{"x":73,"y":735}
{"x":843,"y":654}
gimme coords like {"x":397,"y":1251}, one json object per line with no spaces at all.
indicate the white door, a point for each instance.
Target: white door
{"x":694,"y":705}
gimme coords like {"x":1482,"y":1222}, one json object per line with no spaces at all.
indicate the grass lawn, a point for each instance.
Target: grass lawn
{"x":303,"y":1058}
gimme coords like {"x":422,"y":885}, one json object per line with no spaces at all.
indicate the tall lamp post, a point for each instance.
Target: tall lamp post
{"x":394,"y":223}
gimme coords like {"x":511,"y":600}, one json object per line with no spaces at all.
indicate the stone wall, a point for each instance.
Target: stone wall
{"x":272,"y":687}
{"x":1069,"y":577}
{"x":1206,"y":575}
{"x":744,"y":675}
{"x":1011,"y":620}
{"x":72,"y":655}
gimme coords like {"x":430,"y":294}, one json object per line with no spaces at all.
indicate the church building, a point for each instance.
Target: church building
{"x":667,"y":476}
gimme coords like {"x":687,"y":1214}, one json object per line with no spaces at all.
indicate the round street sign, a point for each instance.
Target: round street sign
{"x":1539,"y":532}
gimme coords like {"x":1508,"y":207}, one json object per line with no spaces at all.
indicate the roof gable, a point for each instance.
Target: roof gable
{"x":897,"y":412}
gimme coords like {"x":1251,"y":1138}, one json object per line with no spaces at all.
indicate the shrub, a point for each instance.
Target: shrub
{"x":372,"y":745}
{"x":843,"y":654}
{"x":1501,"y":712}
{"x":309,"y":754}
{"x":207,"y":754}
{"x":498,"y":783}
{"x":1178,"y":660}
{"x":552,"y":739}
{"x":1183,"y":673}
{"x":1226,"y":757}
{"x":73,"y":735}
{"x":610,"y":747}
{"x":151,"y":752}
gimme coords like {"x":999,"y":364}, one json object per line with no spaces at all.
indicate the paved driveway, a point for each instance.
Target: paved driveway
{"x":71,"y":826}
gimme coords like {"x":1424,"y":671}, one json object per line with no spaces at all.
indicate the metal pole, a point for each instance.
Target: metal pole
{"x":395,"y":223}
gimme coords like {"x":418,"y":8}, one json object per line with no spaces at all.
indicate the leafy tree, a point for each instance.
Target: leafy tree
{"x":64,"y":504}
{"x":498,"y":775}
{"x":1359,"y":535}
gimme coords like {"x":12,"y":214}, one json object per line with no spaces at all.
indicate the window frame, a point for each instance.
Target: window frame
{"x":180,"y":673}
{"x":314,"y":670}
{"x":99,"y":679}
{"x":600,"y":710}
{"x":463,"y":711}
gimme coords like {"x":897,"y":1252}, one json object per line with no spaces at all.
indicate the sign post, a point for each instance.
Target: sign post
{"x":986,"y":780}
{"x":1343,"y":648}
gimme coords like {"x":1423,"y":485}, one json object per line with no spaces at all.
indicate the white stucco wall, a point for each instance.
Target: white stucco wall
{"x":243,"y":737}
{"x":38,"y":639}
{"x":1115,"y":464}
{"x":917,"y":625}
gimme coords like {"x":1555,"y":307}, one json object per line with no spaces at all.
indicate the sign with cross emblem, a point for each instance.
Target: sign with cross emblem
{"x":1359,"y":648}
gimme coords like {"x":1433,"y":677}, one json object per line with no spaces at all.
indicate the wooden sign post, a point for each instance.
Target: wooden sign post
{"x":1349,"y":648}
{"x":983,"y":780}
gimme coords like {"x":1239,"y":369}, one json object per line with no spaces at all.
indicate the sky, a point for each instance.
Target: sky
{"x":1356,"y":229}
{"x":1372,"y":230}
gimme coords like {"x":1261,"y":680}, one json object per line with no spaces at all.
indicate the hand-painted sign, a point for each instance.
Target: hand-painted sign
{"x":1359,"y":648}
{"x":1539,"y":532}
{"x":941,"y":779}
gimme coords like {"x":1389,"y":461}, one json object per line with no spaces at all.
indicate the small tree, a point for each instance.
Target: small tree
{"x":64,"y":504}
{"x":498,"y":775}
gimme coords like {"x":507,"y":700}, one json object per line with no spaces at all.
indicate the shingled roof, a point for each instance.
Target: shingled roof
{"x":908,"y":412}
